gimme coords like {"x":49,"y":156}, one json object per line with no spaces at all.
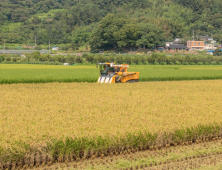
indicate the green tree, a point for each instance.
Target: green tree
{"x":14,"y":1}
{"x":127,"y":35}
{"x":217,"y":52}
{"x":36,"y":20}
{"x":115,"y":31}
{"x":82,"y":34}
{"x":218,"y":38}
{"x":106,"y":35}
{"x":150,"y":35}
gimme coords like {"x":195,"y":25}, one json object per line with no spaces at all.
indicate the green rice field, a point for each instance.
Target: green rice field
{"x":19,"y":73}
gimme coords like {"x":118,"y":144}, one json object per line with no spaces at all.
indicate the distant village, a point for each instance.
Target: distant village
{"x":203,"y":43}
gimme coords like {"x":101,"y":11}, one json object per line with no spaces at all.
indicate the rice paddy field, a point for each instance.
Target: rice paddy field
{"x":18,"y":73}
{"x":64,"y":122}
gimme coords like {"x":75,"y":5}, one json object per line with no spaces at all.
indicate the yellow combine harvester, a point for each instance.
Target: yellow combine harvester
{"x":111,"y":73}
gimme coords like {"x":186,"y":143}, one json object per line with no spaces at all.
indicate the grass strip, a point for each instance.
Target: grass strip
{"x":93,"y":80}
{"x":146,"y":79}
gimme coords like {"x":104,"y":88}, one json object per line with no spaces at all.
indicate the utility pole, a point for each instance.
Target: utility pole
{"x":4,"y":47}
{"x":49,"y":46}
{"x":193,"y":34}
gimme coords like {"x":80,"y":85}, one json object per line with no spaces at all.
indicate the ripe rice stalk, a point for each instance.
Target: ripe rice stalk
{"x":82,"y":118}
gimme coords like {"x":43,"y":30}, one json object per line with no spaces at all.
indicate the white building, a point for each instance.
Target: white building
{"x":54,"y":48}
{"x":168,"y":44}
{"x":210,"y":47}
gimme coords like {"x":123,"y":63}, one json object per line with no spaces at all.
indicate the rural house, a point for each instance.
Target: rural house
{"x":203,"y":38}
{"x":196,"y":45}
{"x":177,"y":47}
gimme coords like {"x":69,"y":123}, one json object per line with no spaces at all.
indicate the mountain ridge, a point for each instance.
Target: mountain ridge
{"x":74,"y":21}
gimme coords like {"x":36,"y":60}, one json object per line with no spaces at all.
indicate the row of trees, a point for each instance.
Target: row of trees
{"x":155,"y":59}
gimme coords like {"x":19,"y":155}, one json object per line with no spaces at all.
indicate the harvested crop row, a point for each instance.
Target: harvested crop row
{"x":165,"y":157}
{"x":187,"y":163}
{"x":60,"y":122}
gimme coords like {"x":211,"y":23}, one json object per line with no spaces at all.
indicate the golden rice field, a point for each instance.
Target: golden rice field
{"x":36,"y":116}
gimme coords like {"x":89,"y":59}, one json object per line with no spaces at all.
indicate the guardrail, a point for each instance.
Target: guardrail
{"x":21,"y":51}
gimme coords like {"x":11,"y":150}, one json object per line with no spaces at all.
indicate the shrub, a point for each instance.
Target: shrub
{"x":44,"y":57}
{"x":119,"y":59}
{"x":14,"y":59}
{"x":213,"y":63}
{"x":209,"y":59}
{"x":143,"y":59}
{"x":110,"y":59}
{"x":194,"y":60}
{"x":38,"y":48}
{"x":35,"y":55}
{"x":217,"y":52}
{"x":84,"y":55}
{"x":79,"y":59}
{"x":65,"y":48}
{"x":59,"y":58}
{"x":2,"y":57}
{"x":150,"y":59}
{"x":187,"y":58}
{"x":168,"y":60}
{"x":128,"y":59}
{"x":177,"y":63}
{"x":136,"y":59}
{"x":161,"y":58}
{"x":108,"y":52}
{"x":8,"y":58}
{"x":89,"y":58}
{"x":71,"y":59}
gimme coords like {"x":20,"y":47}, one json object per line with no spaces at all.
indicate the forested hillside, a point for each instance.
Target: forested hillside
{"x":108,"y":23}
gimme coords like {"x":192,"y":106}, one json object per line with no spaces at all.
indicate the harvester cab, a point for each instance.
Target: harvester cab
{"x":111,"y":73}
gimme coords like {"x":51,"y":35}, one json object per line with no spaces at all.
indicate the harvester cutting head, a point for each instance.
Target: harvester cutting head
{"x":111,"y":73}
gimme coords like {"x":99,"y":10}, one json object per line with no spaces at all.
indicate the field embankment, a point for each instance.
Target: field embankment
{"x":18,"y":73}
{"x":44,"y":123}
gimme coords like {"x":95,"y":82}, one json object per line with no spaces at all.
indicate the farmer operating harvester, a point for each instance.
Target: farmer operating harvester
{"x":111,"y":73}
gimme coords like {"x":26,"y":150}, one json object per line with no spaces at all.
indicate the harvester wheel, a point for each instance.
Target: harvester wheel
{"x":132,"y":81}
{"x":118,"y":79}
